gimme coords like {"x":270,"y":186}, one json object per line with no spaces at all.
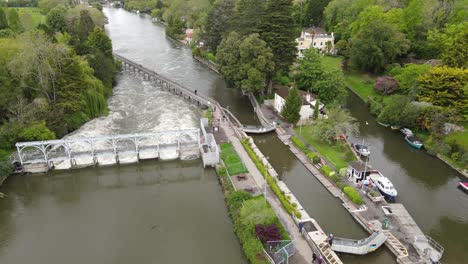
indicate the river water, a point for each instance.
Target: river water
{"x":173,"y":212}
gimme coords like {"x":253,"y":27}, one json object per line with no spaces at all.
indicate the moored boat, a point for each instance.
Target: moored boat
{"x":382,"y":124}
{"x":395,"y":127}
{"x":463,"y":185}
{"x":360,"y":174}
{"x":406,"y":131}
{"x":362,"y":150}
{"x":414,"y":141}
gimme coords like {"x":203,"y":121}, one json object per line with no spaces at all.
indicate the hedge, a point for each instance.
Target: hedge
{"x":271,"y":181}
{"x":353,"y":195}
{"x":299,"y":143}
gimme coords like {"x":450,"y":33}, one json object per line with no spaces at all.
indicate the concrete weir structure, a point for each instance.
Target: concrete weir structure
{"x":70,"y":153}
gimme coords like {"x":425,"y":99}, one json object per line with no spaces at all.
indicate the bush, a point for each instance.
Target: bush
{"x":327,"y":170}
{"x":386,"y":85}
{"x":343,"y":172}
{"x":316,"y":160}
{"x":267,"y":233}
{"x":311,"y":155}
{"x":36,"y":131}
{"x":353,"y":195}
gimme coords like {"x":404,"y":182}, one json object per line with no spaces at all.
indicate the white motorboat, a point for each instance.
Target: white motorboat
{"x":362,"y":150}
{"x":360,"y":173}
{"x":406,"y":131}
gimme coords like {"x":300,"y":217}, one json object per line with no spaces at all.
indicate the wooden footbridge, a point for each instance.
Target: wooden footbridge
{"x":194,"y":97}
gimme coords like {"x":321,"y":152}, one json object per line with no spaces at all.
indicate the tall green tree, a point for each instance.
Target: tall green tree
{"x":218,"y":23}
{"x":14,"y":20}
{"x":279,"y":31}
{"x":86,"y":25}
{"x":312,"y":76}
{"x":451,"y":44}
{"x":314,"y":11}
{"x":100,"y":41}
{"x":3,"y":19}
{"x":446,"y":87}
{"x":245,"y":62}
{"x":248,"y":15}
{"x":376,"y":45}
{"x":56,"y":19}
{"x":339,"y":122}
{"x":292,"y":106}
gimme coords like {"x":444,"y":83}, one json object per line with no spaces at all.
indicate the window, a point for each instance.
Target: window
{"x":321,"y":43}
{"x":314,"y":44}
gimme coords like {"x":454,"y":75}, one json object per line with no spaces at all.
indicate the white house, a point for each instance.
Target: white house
{"x":308,"y":102}
{"x":315,"y":38}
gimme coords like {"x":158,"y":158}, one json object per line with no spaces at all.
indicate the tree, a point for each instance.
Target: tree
{"x":408,"y":75}
{"x":218,"y":23}
{"x":292,"y":106}
{"x":446,"y":87}
{"x":228,"y":57}
{"x":14,"y":20}
{"x":38,"y":64}
{"x":278,"y":30}
{"x":314,"y":11}
{"x":175,"y":28}
{"x":36,"y":131}
{"x":100,"y":41}
{"x":56,"y":19}
{"x":3,"y":19}
{"x":376,"y":45}
{"x":399,"y":110}
{"x":86,"y":25}
{"x":339,"y":122}
{"x":386,"y":85}
{"x":312,"y":76}
{"x":316,"y":109}
{"x":246,"y":62}
{"x":248,"y":15}
{"x":47,"y":5}
{"x":451,"y":43}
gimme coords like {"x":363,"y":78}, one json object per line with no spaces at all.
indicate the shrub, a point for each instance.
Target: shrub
{"x":316,"y":160}
{"x":327,"y":170}
{"x":311,"y":155}
{"x":343,"y":171}
{"x":237,"y":198}
{"x":353,"y":195}
{"x":386,"y":85}
{"x":267,"y":233}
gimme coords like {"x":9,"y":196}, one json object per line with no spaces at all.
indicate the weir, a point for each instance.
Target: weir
{"x":194,"y":97}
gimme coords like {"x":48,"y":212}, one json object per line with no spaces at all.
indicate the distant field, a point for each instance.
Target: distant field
{"x":36,"y":16}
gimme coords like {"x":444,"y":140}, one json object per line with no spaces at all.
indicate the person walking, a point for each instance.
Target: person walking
{"x":330,"y":239}
{"x":195,"y":92}
{"x":320,"y":260}
{"x":300,"y":226}
{"x":314,"y":257}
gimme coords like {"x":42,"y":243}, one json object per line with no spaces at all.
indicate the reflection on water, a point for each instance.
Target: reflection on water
{"x":426,"y":186}
{"x":154,"y":212}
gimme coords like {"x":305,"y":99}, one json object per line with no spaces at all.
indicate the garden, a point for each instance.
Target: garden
{"x":231,"y":160}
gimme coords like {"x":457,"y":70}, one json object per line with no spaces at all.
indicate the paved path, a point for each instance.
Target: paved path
{"x":303,"y":251}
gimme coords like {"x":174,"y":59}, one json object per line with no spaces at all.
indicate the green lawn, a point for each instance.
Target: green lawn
{"x":461,"y":137}
{"x":338,"y":155}
{"x":232,"y":161}
{"x":36,"y":16}
{"x":332,"y":63}
{"x":361,"y":83}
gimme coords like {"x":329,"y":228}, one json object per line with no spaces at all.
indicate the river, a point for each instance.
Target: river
{"x":173,"y":212}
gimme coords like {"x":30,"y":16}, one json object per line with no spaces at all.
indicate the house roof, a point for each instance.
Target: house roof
{"x":283,"y":91}
{"x":316,"y":30}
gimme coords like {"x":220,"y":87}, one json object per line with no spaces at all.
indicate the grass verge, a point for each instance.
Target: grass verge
{"x":232,"y":161}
